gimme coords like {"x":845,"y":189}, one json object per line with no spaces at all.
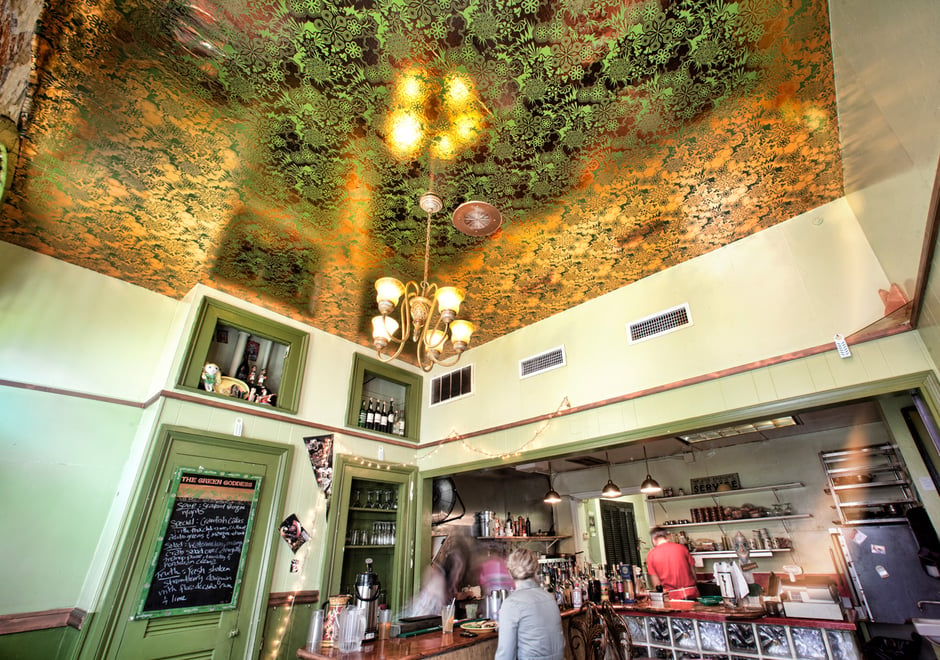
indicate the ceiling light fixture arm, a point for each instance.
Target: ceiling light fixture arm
{"x":428,"y":312}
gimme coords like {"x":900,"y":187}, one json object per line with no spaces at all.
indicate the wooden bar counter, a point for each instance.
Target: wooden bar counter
{"x":426,"y":645}
{"x":689,"y":628}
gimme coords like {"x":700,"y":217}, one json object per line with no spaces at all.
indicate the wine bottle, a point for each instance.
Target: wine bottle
{"x":400,"y":423}
{"x":370,"y":415}
{"x":383,"y":420}
{"x":509,"y":525}
{"x":391,"y":428}
{"x":528,"y":527}
{"x":362,"y":414}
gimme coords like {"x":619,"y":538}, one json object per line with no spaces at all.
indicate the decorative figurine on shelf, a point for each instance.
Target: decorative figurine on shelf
{"x":252,"y":375}
{"x":265,"y":397}
{"x":263,"y":376}
{"x":211,"y":376}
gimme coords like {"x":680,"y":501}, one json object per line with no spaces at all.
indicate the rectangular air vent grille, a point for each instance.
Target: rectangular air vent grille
{"x":542,"y":362}
{"x":452,"y":385}
{"x":659,"y":324}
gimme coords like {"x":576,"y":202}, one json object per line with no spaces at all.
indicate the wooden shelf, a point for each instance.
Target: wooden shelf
{"x":736,"y":491}
{"x":738,"y":521}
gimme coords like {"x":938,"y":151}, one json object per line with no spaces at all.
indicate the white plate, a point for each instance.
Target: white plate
{"x":480,"y":626}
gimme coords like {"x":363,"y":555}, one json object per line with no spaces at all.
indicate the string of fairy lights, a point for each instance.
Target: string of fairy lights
{"x":454,"y":436}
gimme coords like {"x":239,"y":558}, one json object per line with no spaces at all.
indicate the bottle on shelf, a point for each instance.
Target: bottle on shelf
{"x":383,"y":421}
{"x":370,"y":414}
{"x":400,"y":423}
{"x":390,"y":427}
{"x":509,"y":525}
{"x":528,"y":527}
{"x":362,"y":414}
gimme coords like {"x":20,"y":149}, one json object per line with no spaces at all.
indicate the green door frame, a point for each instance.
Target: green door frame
{"x":99,"y":640}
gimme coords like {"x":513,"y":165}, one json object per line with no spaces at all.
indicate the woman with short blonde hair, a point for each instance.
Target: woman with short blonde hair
{"x":529,"y":620}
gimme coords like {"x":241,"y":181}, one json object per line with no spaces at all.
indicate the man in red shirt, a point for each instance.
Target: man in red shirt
{"x":671,"y":565}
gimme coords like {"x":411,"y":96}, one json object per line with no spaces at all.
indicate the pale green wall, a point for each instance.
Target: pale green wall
{"x":70,"y":464}
{"x":885,"y":58}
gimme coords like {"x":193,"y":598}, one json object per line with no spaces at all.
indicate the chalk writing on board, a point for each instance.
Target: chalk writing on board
{"x":201,"y":554}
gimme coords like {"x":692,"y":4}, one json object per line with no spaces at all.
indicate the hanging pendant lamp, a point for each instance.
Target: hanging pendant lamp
{"x":611,"y":489}
{"x":552,"y":496}
{"x":649,"y":485}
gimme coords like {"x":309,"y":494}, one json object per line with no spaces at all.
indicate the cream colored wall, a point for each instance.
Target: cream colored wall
{"x":885,"y":61}
{"x":786,"y":289}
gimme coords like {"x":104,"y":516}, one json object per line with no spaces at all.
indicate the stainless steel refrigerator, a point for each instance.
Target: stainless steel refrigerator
{"x":884,"y":567}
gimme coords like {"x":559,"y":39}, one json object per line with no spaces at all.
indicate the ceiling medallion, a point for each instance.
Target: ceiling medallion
{"x":477,"y":218}
{"x":416,"y":313}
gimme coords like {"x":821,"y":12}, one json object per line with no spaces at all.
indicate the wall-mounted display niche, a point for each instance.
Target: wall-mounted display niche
{"x":239,"y":355}
{"x":384,"y":399}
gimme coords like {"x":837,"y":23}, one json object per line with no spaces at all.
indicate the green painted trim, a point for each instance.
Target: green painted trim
{"x":413,"y":384}
{"x":345,"y":469}
{"x":203,"y":330}
{"x":49,"y":644}
{"x":99,"y":641}
{"x":924,"y":380}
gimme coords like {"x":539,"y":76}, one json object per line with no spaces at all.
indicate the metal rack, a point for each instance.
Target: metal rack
{"x":868,"y":484}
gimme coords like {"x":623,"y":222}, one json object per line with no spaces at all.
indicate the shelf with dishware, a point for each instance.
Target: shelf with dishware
{"x":724,"y":493}
{"x":769,"y":540}
{"x":732,"y":521}
{"x":731,"y":554}
{"x":371,"y":518}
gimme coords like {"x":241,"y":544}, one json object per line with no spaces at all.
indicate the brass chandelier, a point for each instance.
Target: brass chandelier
{"x":428,"y":312}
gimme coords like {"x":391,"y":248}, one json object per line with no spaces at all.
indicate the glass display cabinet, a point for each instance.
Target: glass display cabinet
{"x":372,"y":517}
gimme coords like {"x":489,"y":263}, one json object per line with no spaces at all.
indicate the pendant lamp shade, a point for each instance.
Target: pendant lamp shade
{"x":649,"y":485}
{"x":552,"y":496}
{"x":610,"y":489}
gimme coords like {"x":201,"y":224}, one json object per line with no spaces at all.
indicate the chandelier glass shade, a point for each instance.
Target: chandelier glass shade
{"x":426,"y":313}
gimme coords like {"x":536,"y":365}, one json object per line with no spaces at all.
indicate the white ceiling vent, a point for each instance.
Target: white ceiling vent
{"x":542,"y":362}
{"x":659,"y":324}
{"x":452,"y":385}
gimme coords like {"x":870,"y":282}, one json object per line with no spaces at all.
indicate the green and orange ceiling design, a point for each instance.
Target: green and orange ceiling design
{"x":248,"y":144}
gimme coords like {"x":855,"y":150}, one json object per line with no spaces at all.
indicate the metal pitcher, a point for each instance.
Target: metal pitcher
{"x":494,"y":601}
{"x":366,"y":598}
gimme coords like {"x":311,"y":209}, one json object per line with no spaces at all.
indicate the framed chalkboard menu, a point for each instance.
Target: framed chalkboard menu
{"x":201,"y":549}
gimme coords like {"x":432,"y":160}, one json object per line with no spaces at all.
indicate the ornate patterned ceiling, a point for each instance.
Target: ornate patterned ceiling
{"x":245,"y":144}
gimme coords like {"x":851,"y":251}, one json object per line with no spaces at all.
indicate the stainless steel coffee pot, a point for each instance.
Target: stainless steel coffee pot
{"x":368,"y":591}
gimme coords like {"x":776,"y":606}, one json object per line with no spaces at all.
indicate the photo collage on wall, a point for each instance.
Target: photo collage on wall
{"x":320,"y":450}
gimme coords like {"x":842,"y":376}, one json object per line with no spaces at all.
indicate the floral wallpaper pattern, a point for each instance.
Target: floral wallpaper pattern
{"x":245,"y":144}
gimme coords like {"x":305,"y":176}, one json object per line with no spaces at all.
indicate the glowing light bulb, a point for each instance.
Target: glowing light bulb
{"x":406,"y":132}
{"x":458,"y":92}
